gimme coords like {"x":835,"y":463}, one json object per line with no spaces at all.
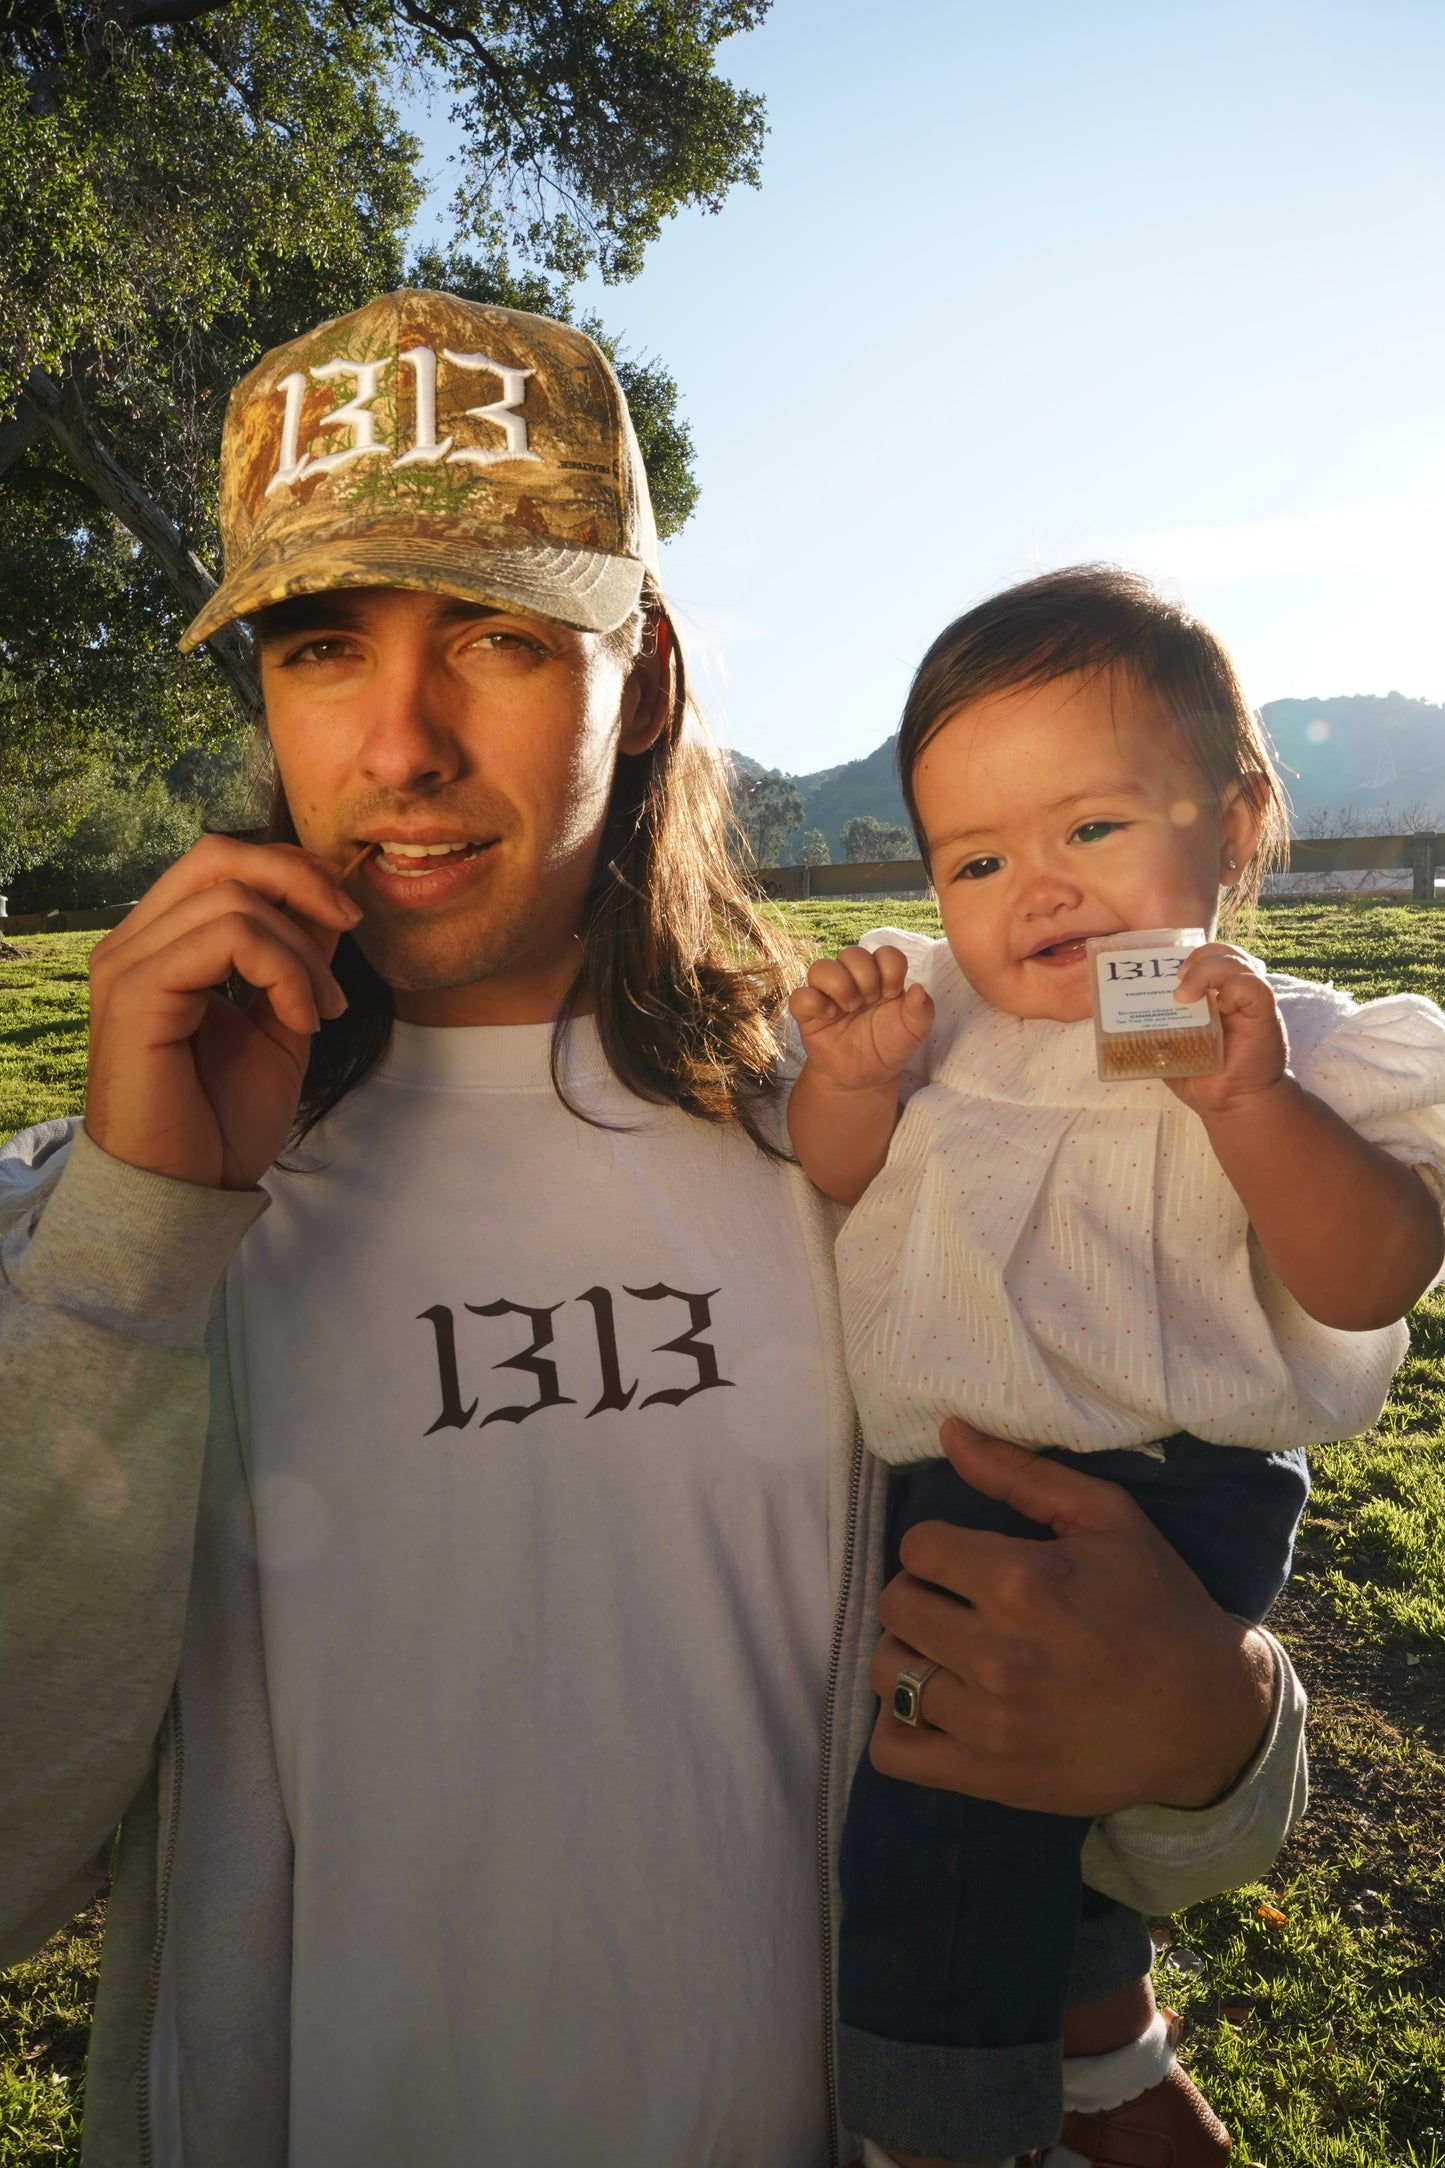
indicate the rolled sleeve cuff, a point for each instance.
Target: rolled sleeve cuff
{"x":129,"y":1250}
{"x":1159,"y":1858}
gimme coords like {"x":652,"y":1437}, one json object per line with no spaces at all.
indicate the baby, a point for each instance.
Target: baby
{"x":1177,"y":1286}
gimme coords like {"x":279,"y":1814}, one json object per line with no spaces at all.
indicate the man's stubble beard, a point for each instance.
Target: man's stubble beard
{"x":414,"y":956}
{"x":428,"y":951}
{"x":432,"y":951}
{"x":455,"y":963}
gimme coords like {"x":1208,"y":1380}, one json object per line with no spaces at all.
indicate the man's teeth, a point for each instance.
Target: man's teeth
{"x":420,"y":856}
{"x":422,"y":850}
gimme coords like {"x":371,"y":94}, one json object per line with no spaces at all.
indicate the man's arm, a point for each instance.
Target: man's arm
{"x":112,"y":1255}
{"x":1158,"y":1859}
{"x":107,"y":1276}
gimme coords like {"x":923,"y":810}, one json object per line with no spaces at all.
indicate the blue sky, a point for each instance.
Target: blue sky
{"x":1029,"y":284}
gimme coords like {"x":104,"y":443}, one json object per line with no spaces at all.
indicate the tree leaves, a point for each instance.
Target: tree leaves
{"x":865,"y":840}
{"x":151,"y":176}
{"x":590,"y":122}
{"x":767,"y":810}
{"x":186,"y":183}
{"x":651,"y":391}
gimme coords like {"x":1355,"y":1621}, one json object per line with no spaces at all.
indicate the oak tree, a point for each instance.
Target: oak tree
{"x":767,"y":810}
{"x":866,"y":840}
{"x":185,"y":183}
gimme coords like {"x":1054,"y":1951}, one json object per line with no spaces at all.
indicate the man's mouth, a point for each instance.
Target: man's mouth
{"x":414,"y":861}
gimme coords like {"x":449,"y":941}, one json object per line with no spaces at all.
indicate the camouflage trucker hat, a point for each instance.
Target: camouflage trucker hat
{"x":429,"y":442}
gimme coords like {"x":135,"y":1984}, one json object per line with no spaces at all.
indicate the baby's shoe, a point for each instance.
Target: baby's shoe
{"x":1170,"y":2126}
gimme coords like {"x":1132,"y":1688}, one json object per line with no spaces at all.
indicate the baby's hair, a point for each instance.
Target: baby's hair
{"x":1097,"y":618}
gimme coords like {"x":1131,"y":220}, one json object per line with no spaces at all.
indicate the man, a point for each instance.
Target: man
{"x":442,"y":1575}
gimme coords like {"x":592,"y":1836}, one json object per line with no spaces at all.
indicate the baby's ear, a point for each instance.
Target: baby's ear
{"x":1239,"y":837}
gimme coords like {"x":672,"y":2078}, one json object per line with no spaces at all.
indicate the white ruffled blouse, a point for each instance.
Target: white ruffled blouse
{"x":1062,"y":1262}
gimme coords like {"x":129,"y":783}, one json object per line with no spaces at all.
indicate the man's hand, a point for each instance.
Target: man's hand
{"x":855,"y":1019}
{"x":182,"y":1081}
{"x":1076,"y":1677}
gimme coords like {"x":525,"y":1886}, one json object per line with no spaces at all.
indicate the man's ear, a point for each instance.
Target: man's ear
{"x":647,"y":696}
{"x":1239,"y":837}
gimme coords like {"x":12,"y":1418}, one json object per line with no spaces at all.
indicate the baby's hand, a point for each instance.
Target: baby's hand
{"x":1256,"y":1051}
{"x":856,"y":1020}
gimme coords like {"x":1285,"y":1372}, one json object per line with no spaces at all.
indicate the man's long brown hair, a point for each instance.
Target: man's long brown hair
{"x":685,"y":977}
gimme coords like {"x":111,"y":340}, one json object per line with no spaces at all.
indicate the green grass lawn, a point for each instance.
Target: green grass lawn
{"x":43,"y":1007}
{"x":1321,"y":2038}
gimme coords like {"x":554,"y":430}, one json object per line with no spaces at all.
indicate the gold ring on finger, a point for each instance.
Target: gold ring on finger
{"x":908,"y":1692}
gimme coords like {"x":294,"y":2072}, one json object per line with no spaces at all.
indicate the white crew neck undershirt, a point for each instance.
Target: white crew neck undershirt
{"x":545,"y":1686}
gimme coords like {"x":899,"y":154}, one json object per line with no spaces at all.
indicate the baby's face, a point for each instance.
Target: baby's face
{"x":1059,"y":811}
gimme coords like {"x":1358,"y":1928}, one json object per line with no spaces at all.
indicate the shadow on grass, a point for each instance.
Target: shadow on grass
{"x":1322,"y":2042}
{"x":45,"y":2007}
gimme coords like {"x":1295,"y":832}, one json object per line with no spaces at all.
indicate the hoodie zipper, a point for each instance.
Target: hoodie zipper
{"x":825,"y":1879}
{"x":153,"y":1984}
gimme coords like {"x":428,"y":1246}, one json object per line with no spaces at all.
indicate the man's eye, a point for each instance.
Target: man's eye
{"x":324,"y":650}
{"x":507,"y":643}
{"x":977,"y":869}
{"x":1091,"y":831}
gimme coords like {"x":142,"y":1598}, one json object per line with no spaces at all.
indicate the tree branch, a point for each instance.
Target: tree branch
{"x":151,"y":14}
{"x":17,"y":435}
{"x":422,"y":18}
{"x":530,"y":152}
{"x":96,"y":44}
{"x":62,"y":410}
{"x":39,"y":480}
{"x":242,"y":92}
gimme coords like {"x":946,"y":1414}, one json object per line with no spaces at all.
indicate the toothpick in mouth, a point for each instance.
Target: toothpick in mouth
{"x":365,"y":852}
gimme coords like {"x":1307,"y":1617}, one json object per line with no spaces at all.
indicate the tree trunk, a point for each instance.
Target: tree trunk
{"x":17,"y":435}
{"x":60,"y":411}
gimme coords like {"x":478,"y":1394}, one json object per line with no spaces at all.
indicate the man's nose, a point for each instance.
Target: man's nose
{"x":409,"y":742}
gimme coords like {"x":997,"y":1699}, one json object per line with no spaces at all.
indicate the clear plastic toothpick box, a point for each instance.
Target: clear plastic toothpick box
{"x":1140,"y":1030}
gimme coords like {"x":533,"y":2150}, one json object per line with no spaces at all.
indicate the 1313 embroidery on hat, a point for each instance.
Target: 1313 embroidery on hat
{"x":429,"y":442}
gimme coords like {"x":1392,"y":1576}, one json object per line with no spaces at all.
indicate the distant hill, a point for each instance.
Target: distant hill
{"x":834,"y":795}
{"x":1368,"y":751}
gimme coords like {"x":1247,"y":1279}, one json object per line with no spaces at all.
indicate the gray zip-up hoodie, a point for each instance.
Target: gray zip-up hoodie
{"x":134,"y":1679}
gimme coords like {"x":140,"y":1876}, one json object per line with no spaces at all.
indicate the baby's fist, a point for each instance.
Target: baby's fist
{"x":857,"y":1017}
{"x":1256,"y":1050}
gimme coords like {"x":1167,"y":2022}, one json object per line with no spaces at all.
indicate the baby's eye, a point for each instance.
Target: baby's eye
{"x":1091,"y":831}
{"x":977,"y":869}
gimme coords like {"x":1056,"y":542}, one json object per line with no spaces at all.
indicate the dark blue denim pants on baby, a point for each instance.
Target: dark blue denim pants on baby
{"x":967,"y":1927}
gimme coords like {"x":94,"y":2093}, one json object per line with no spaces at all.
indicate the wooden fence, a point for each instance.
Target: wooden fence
{"x":65,"y":921}
{"x":1417,"y":854}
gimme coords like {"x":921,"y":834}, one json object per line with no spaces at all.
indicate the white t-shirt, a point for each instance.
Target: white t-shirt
{"x":1063,"y":1262}
{"x":534,"y":1419}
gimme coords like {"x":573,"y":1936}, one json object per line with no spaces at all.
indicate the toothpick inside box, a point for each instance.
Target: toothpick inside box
{"x":1140,"y":1030}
